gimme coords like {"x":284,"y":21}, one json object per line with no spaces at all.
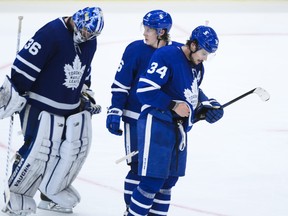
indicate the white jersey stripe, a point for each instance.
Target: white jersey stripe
{"x":119,"y":90}
{"x":28,"y":64}
{"x":23,"y":73}
{"x":53,"y":103}
{"x":131,"y":114}
{"x":146,"y":144}
{"x":128,"y":141}
{"x":150,"y":82}
{"x":151,"y":88}
{"x":121,"y":85}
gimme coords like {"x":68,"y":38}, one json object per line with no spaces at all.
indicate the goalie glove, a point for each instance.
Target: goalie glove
{"x":113,"y":121}
{"x":88,"y":102}
{"x":209,"y":110}
{"x":10,"y":100}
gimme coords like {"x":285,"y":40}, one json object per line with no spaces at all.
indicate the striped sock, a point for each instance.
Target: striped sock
{"x":161,"y":203}
{"x":131,"y":182}
{"x":141,"y":202}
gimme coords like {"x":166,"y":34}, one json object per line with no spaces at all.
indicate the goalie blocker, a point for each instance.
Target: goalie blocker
{"x":51,"y":164}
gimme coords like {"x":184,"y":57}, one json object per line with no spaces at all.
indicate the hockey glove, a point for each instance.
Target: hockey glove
{"x":10,"y":100}
{"x":113,"y":121}
{"x":209,"y":110}
{"x":88,"y":103}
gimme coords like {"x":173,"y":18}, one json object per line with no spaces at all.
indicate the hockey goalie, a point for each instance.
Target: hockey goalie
{"x":49,"y":88}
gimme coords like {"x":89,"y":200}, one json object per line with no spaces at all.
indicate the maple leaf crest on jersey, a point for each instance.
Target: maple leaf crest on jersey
{"x":73,"y":73}
{"x":192,"y":95}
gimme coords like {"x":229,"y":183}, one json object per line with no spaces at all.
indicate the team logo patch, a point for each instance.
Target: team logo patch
{"x":73,"y":73}
{"x":191,"y":95}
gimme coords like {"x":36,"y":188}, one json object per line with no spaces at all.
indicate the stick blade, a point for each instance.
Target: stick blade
{"x":262,"y":93}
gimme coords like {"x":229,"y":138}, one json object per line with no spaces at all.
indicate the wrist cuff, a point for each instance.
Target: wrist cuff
{"x":172,"y":105}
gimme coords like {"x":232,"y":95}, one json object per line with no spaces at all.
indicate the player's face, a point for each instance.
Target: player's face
{"x":82,"y":36}
{"x":200,"y":56}
{"x":150,"y":36}
{"x":87,"y":35}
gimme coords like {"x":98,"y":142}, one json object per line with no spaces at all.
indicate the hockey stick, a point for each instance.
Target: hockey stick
{"x":9,"y":144}
{"x":262,"y":93}
{"x":130,"y":155}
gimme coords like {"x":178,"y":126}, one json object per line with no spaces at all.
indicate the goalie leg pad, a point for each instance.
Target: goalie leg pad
{"x":20,"y":205}
{"x":65,"y":200}
{"x":73,"y":152}
{"x":27,"y":175}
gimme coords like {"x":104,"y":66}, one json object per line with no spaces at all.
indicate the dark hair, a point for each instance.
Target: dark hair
{"x":165,"y":36}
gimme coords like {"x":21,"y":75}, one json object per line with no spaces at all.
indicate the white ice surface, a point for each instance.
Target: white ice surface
{"x":237,"y":166}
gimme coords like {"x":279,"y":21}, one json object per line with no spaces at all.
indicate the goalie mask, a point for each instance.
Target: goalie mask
{"x":206,"y":38}
{"x":88,"y":24}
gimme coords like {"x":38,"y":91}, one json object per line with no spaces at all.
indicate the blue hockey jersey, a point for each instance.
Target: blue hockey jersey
{"x":170,"y":76}
{"x":134,"y":63}
{"x":52,"y":70}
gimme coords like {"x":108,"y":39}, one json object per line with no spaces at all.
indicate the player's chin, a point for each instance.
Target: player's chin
{"x":148,"y":42}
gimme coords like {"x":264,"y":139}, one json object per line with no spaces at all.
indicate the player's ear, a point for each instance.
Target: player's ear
{"x":193,"y":46}
{"x":162,"y":32}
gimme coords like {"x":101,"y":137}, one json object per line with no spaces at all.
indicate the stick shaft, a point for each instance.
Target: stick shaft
{"x":10,"y":135}
{"x":20,"y":18}
{"x":202,"y":116}
{"x":238,"y":98}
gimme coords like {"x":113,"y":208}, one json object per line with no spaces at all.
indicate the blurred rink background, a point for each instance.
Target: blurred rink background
{"x":235,"y":167}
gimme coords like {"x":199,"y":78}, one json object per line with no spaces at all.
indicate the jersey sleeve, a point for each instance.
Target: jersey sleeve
{"x":88,"y":77}
{"x":124,"y":77}
{"x":31,"y":59}
{"x":149,"y":89}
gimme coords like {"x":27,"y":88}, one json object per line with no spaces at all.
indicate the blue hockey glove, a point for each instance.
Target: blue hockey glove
{"x":88,"y":103}
{"x":113,"y":121}
{"x":209,"y":110}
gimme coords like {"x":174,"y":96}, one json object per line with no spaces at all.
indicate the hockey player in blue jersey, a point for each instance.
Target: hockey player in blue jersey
{"x":49,"y":87}
{"x":124,"y":102}
{"x":171,"y":101}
